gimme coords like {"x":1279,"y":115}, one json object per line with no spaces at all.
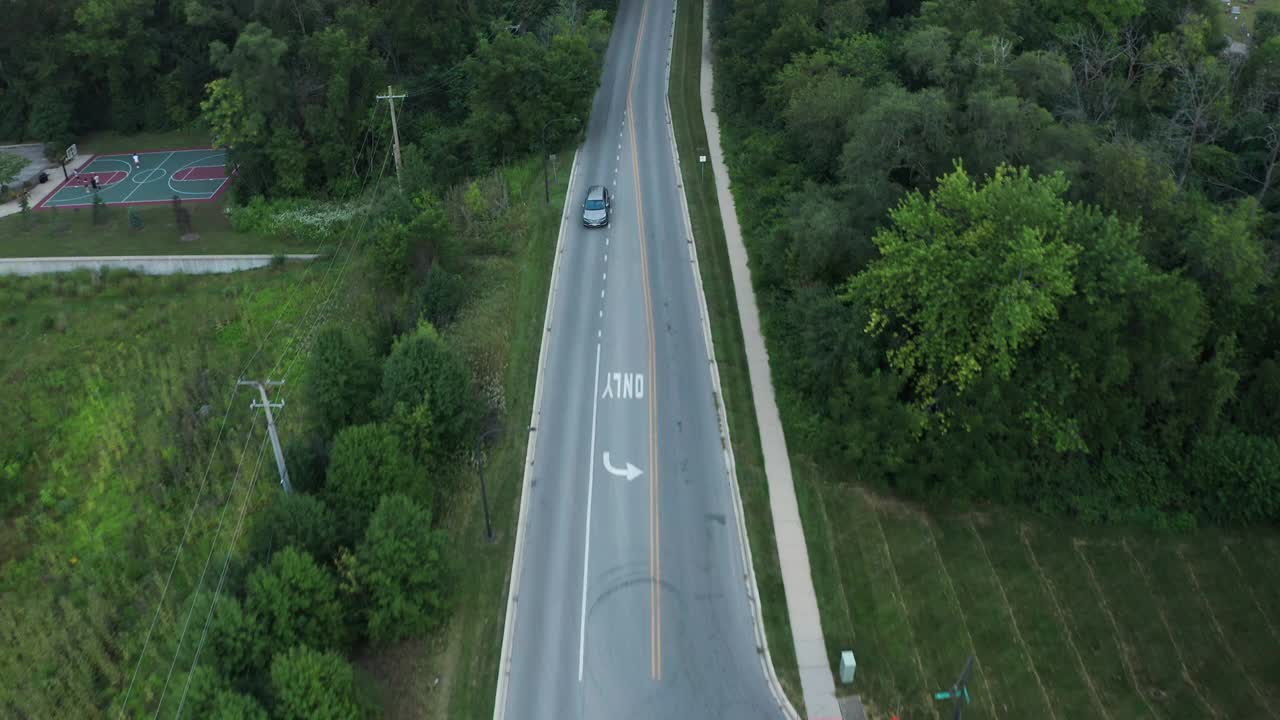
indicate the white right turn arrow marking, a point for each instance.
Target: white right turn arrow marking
{"x":630,"y":473}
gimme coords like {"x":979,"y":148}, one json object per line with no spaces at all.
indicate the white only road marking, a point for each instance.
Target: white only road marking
{"x":606,"y":257}
{"x":604,"y":277}
{"x":602,"y":294}
{"x":591,"y":479}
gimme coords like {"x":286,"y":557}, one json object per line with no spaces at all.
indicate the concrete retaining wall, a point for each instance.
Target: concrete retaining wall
{"x":146,"y":264}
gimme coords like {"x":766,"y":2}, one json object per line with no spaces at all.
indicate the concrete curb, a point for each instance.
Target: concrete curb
{"x":517,"y":562}
{"x":722,"y":415}
{"x":816,"y":682}
{"x":145,"y":264}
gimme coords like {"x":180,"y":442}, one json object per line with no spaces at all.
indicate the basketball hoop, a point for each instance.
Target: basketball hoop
{"x":72,"y":153}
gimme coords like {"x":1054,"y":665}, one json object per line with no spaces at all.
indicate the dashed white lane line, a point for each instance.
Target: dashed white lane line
{"x":606,"y":257}
{"x":604,"y":277}
{"x":601,"y":294}
{"x":601,"y":313}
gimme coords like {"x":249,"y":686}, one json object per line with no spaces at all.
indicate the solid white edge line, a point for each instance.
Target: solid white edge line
{"x":517,"y":561}
{"x":752,"y":589}
{"x":586,"y":545}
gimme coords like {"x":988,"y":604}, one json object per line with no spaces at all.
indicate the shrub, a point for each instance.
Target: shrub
{"x":441,"y":297}
{"x":399,"y":571}
{"x":233,"y":636}
{"x":419,"y":363}
{"x":311,"y":685}
{"x":367,"y":462}
{"x":307,"y":457}
{"x":293,"y":601}
{"x":210,"y":697}
{"x":1236,"y":478}
{"x":294,"y":520}
{"x":342,"y":379}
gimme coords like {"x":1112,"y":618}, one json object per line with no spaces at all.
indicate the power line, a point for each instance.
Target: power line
{"x":230,"y":549}
{"x":222,"y":577}
{"x":209,"y":465}
{"x":221,"y":517}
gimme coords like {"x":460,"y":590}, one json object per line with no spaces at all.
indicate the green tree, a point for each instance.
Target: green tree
{"x":294,"y":602}
{"x":342,"y":379}
{"x":209,"y":697}
{"x":1224,"y":250}
{"x":366,"y":463}
{"x":400,"y":571}
{"x":968,"y":277}
{"x":900,"y":137}
{"x":307,"y":684}
{"x":233,"y":638}
{"x":10,"y":166}
{"x":293,"y":520}
{"x":420,"y":363}
{"x":231,"y":122}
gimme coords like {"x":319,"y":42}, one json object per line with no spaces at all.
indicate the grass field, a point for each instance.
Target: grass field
{"x":726,"y":332}
{"x":70,"y":232}
{"x":1064,"y":621}
{"x":114,"y":142}
{"x":114,"y":388}
{"x":1248,"y":11}
{"x":500,"y":330}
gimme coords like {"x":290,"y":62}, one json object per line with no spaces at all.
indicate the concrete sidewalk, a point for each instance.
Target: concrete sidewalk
{"x":816,"y":681}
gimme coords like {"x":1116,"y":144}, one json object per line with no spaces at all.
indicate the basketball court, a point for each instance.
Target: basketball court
{"x":190,"y":173}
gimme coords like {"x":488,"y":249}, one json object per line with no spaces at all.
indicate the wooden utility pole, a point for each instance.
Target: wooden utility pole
{"x":395,"y":132}
{"x":271,"y":427}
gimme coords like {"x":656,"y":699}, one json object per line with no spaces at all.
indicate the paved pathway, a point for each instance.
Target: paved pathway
{"x":802,"y":605}
{"x":35,"y":155}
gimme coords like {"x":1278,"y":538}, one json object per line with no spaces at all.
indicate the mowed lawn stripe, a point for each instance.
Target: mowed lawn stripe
{"x":879,"y":604}
{"x":935,"y":615}
{"x":1046,"y":637}
{"x":1009,"y":671}
{"x":1144,"y":627}
{"x":1209,"y":660}
{"x":833,"y":603}
{"x":1253,"y":565}
{"x":1245,"y":628}
{"x":1087,"y":616}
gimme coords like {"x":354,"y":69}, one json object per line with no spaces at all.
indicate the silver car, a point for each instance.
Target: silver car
{"x":596,"y":208}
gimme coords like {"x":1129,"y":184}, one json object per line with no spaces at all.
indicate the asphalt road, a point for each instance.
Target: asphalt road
{"x":630,"y":600}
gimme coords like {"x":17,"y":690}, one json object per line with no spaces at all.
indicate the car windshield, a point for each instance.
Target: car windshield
{"x":595,"y":204}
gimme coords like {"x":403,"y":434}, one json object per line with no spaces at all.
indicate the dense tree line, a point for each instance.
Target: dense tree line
{"x":290,"y":87}
{"x":1021,"y":250}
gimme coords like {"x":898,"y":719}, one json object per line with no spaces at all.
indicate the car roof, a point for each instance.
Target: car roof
{"x":595,"y":191}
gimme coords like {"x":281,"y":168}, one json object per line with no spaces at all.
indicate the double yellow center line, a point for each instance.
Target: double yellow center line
{"x":655,"y":505}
